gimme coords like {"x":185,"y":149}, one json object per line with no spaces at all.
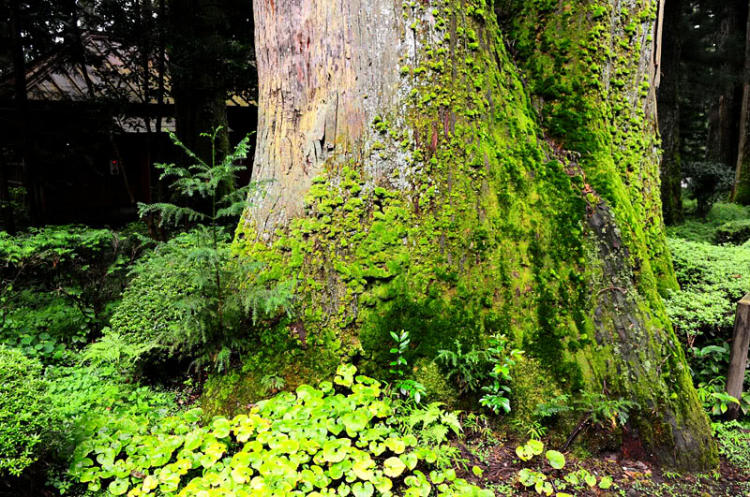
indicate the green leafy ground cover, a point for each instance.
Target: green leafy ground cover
{"x":342,"y":437}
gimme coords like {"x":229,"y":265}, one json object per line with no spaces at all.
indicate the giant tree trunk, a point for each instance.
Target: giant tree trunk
{"x":422,"y":180}
{"x":669,"y":113}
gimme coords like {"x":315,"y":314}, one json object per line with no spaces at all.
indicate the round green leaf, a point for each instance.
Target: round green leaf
{"x":118,"y":486}
{"x":535,"y":447}
{"x":556,"y":459}
{"x":393,"y":467}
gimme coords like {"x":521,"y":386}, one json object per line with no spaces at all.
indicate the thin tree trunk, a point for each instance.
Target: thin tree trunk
{"x":6,"y":209}
{"x":200,"y":102}
{"x":413,"y":187}
{"x":19,"y":71}
{"x":741,"y":189}
{"x":161,"y":193}
{"x":724,"y":115}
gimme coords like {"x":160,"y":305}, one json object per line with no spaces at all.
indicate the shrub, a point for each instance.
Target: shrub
{"x":26,"y":419}
{"x":713,"y":278}
{"x":704,"y":230}
{"x":87,"y":398}
{"x":436,"y":386}
{"x":150,"y":311}
{"x":707,"y":182}
{"x":700,"y":311}
{"x":734,"y":443}
{"x":338,"y":437}
{"x":734,"y":232}
{"x":58,"y":285}
{"x":177,"y":306}
{"x":214,"y":291}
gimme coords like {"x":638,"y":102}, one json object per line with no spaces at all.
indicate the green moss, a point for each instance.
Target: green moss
{"x":530,"y":387}
{"x":437,"y":388}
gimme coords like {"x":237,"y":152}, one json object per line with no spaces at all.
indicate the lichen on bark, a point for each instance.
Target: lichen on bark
{"x":458,"y":201}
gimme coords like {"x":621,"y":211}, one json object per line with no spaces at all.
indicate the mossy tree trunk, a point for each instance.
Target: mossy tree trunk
{"x":423,"y":180}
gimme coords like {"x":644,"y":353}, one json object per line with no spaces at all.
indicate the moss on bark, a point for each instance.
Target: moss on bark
{"x":478,"y":204}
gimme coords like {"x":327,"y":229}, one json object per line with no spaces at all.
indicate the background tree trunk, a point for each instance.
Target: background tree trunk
{"x":200,"y":101}
{"x":6,"y":209}
{"x":724,"y":115}
{"x":418,"y":183}
{"x":741,"y":190}
{"x":21,"y":101}
{"x":669,"y":113}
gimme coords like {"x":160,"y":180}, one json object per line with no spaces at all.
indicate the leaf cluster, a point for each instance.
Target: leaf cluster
{"x":27,"y":421}
{"x":337,"y":437}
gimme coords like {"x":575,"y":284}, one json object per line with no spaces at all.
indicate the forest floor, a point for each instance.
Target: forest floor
{"x":500,"y":466}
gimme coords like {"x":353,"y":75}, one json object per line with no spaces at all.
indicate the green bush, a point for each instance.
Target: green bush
{"x":195,"y":302}
{"x":149,"y":311}
{"x":26,"y":418}
{"x":707,"y":183}
{"x":86,"y":398}
{"x":695,"y":312}
{"x":734,"y":232}
{"x":43,"y":325}
{"x":712,"y":279}
{"x":58,"y":286}
{"x":341,"y":436}
{"x":734,"y":443}
{"x":704,"y":230}
{"x":210,"y":290}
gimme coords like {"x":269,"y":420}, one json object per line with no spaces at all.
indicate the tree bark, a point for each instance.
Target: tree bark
{"x":421,"y":180}
{"x":669,"y":114}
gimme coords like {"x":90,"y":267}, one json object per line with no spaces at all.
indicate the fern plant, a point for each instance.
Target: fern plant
{"x":218,"y":291}
{"x":468,"y":369}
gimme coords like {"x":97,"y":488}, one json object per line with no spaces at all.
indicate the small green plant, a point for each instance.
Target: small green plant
{"x":476,"y":425}
{"x":26,"y":418}
{"x":532,"y":429}
{"x":468,"y":369}
{"x":272,"y":383}
{"x":498,"y":392}
{"x":734,"y":442}
{"x":530,"y":478}
{"x":715,"y":399}
{"x":217,"y":289}
{"x":597,"y":407}
{"x":410,"y":389}
{"x":578,"y":479}
{"x":602,"y":409}
{"x":530,"y":449}
{"x":430,"y":423}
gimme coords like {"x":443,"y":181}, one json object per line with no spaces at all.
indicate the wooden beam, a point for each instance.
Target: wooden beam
{"x":738,"y":356}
